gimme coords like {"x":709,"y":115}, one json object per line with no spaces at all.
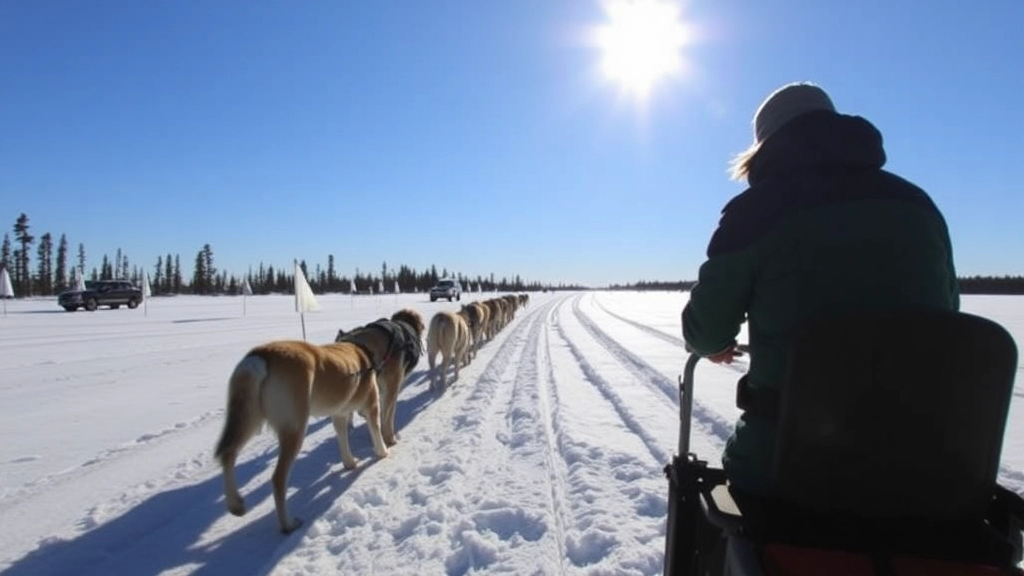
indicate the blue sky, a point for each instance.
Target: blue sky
{"x":480,"y":136}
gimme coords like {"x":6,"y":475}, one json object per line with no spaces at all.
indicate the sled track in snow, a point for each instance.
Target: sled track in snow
{"x":507,"y":357}
{"x":643,"y":327}
{"x":707,"y":419}
{"x":678,"y":341}
{"x":492,"y":415}
{"x":530,"y":383}
{"x":581,"y":467}
{"x":607,"y":390}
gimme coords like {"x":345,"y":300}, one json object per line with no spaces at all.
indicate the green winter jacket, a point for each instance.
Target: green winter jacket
{"x":822,"y":228}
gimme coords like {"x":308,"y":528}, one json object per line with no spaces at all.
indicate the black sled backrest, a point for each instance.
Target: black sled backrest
{"x":895,"y":414}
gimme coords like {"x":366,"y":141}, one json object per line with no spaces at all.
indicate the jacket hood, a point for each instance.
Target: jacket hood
{"x":816,"y":141}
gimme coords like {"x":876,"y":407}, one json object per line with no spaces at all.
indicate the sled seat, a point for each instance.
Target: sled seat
{"x":875,"y":402}
{"x":889,"y":433}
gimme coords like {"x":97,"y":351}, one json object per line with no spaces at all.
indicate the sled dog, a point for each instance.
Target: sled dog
{"x":394,"y":345}
{"x":283,"y":383}
{"x":448,"y":335}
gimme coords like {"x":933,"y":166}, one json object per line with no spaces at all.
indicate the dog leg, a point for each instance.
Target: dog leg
{"x":341,"y":425}
{"x":443,"y":371}
{"x":290,"y":441}
{"x":373,"y":419}
{"x":234,"y":501}
{"x":433,"y":375}
{"x":390,"y":405}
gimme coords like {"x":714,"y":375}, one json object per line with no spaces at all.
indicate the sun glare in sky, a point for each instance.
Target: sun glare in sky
{"x":642,"y":43}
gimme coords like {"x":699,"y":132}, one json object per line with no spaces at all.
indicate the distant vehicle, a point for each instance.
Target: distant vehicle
{"x":446,"y":288}
{"x":112,"y":293}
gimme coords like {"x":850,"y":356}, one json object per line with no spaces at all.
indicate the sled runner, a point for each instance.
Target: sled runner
{"x":890,"y":468}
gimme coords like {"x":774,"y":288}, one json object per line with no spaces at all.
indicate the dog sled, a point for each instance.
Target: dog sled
{"x":890,"y":470}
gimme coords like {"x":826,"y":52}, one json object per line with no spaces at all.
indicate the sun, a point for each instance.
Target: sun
{"x":642,"y":43}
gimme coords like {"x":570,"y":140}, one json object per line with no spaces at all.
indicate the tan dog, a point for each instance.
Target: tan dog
{"x":449,"y":336}
{"x":476,"y":318}
{"x":394,"y":346}
{"x":283,"y":383}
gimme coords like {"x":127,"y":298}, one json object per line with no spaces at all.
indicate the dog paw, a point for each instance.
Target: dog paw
{"x":383,"y":454}
{"x":350,"y":465}
{"x":236,"y":507}
{"x":291,"y":526}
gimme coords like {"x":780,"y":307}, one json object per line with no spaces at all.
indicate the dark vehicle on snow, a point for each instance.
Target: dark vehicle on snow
{"x":446,"y":288}
{"x":112,"y":293}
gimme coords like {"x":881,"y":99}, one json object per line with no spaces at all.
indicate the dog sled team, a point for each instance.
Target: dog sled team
{"x":457,"y":336}
{"x":285,"y":382}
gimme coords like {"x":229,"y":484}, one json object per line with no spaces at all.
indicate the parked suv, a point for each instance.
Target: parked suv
{"x":98,"y":293}
{"x":450,"y":289}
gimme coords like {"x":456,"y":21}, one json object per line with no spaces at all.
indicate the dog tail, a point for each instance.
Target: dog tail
{"x":243,"y":419}
{"x":439,"y":335}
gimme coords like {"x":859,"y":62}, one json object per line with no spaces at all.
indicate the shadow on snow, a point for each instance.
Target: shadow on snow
{"x":164,"y":531}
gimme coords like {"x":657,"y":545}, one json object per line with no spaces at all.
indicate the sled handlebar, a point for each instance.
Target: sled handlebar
{"x":686,"y":402}
{"x":686,"y":396}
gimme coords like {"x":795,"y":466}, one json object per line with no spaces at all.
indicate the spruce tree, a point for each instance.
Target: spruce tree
{"x":60,"y":278}
{"x":21,"y":265}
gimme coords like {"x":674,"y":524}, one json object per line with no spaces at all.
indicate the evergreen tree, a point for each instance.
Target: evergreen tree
{"x":211,"y":272}
{"x":177,"y":274}
{"x":60,"y":278}
{"x":5,"y":253}
{"x":332,"y":279}
{"x":169,"y":275}
{"x":106,"y":269}
{"x":158,"y":275}
{"x":81,"y":258}
{"x":44,"y":270}
{"x":23,"y":285}
{"x":199,"y":275}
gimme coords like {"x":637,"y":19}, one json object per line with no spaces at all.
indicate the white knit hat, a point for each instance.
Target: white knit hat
{"x":787,"y":103}
{"x":778,"y":108}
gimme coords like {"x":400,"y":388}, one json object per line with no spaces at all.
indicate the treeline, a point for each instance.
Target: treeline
{"x":992,"y":285}
{"x":53,"y":270}
{"x":970,"y":285}
{"x":677,"y":286}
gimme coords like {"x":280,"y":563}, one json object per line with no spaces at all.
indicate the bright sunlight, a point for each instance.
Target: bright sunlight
{"x":642,"y":43}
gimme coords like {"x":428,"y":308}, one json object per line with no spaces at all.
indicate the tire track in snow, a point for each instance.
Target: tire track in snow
{"x":706,"y":418}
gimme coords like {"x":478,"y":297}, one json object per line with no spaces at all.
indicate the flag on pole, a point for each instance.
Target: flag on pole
{"x":6,"y":290}
{"x":146,"y":293}
{"x":305,"y":301}
{"x":396,"y":287}
{"x":79,"y":281}
{"x":246,"y":292}
{"x":351,"y":286}
{"x":380,"y":286}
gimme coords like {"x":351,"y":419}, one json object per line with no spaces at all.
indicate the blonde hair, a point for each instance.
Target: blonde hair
{"x":740,"y":166}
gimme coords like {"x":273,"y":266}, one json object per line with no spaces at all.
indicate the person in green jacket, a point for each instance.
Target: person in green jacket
{"x":821,"y":228}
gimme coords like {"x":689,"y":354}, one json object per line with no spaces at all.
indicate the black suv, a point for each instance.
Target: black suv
{"x":98,"y":293}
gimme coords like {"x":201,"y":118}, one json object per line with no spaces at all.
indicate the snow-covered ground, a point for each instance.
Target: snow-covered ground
{"x":545,"y":457}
